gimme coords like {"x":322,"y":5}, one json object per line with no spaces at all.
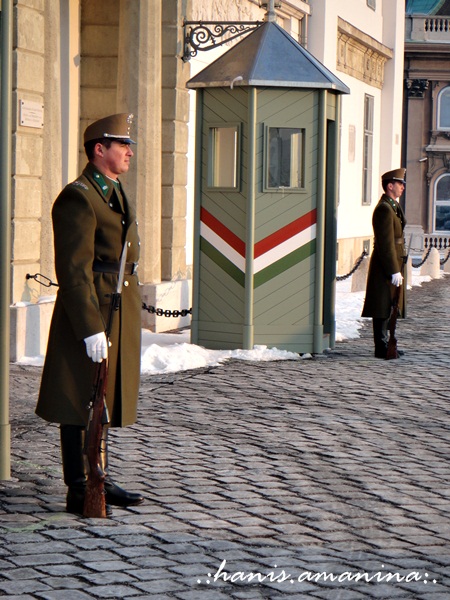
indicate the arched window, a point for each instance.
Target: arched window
{"x":442,"y":204}
{"x":443,"y":115}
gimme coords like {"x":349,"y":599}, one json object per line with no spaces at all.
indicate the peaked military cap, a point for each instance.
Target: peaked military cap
{"x":395,"y":175}
{"x":115,"y":127}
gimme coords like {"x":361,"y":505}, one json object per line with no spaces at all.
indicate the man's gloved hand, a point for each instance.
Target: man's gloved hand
{"x":397,"y":279}
{"x":96,"y":346}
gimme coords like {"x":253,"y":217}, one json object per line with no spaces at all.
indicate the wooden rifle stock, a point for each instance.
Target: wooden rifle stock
{"x":94,"y":499}
{"x":392,"y":351}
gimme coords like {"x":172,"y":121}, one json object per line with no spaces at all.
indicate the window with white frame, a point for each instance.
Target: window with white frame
{"x":223,"y":164}
{"x":443,"y":109}
{"x":368,"y":149}
{"x":442,"y":204}
{"x":285,"y":158}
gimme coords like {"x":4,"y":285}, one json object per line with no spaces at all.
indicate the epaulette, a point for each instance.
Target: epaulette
{"x":80,"y":184}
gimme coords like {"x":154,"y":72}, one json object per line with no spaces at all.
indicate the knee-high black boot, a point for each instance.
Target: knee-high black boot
{"x":380,"y":337}
{"x":115,"y":495}
{"x":74,"y":468}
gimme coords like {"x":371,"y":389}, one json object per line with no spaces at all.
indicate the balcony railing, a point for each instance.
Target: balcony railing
{"x":434,"y":240}
{"x":423,"y":28}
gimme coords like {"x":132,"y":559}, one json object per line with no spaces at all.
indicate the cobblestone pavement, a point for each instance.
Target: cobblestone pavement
{"x":325,"y":478}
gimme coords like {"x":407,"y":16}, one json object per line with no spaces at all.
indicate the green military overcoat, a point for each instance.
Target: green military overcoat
{"x":91,"y":221}
{"x":387,"y":258}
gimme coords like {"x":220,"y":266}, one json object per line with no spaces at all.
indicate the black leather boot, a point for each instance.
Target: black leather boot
{"x":116,"y":495}
{"x":74,"y":468}
{"x":380,"y":337}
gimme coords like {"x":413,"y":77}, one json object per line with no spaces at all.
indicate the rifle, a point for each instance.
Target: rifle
{"x":392,"y":351}
{"x":94,"y":500}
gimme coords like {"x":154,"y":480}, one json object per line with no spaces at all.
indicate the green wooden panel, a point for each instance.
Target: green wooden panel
{"x":287,"y":299}
{"x":331,"y":106}
{"x":211,"y":307}
{"x":220,"y":297}
{"x":223,"y":105}
{"x":220,"y":336}
{"x":284,"y":340}
{"x":304,"y":270}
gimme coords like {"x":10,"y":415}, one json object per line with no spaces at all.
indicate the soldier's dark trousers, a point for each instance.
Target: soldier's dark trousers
{"x":75,"y":473}
{"x":380,"y":337}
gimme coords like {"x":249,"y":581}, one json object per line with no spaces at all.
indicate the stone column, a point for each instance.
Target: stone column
{"x":28,"y":151}
{"x":36,"y":170}
{"x":175,"y":116}
{"x":139,"y":92}
{"x":52,"y":165}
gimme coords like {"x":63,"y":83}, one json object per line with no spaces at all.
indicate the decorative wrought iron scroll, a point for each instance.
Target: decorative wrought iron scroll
{"x":206,"y":35}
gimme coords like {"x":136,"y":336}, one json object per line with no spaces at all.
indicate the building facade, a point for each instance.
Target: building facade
{"x":426,"y":147}
{"x":363,"y":44}
{"x":76,"y":61}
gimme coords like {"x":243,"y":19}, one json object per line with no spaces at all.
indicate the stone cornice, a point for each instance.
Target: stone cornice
{"x":360,"y":55}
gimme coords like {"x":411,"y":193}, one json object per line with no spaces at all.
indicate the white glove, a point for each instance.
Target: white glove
{"x":397,"y":279}
{"x":96,"y":346}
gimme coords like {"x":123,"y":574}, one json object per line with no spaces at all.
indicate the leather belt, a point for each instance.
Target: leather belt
{"x":103,"y":266}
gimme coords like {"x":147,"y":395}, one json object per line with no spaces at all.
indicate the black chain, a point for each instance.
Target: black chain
{"x":441,"y":262}
{"x":42,"y":279}
{"x":444,"y":260}
{"x":160,"y":312}
{"x":419,"y":264}
{"x":357,"y":265}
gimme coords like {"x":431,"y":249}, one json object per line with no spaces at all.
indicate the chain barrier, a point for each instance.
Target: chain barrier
{"x":415,"y":265}
{"x":355,"y":268}
{"x":444,"y":260}
{"x":419,"y":264}
{"x":41,"y":279}
{"x":159,"y":312}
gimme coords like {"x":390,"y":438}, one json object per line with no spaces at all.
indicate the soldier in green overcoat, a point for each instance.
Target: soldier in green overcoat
{"x":92,"y":220}
{"x":387,"y":260}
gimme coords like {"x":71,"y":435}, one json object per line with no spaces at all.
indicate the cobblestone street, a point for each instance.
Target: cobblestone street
{"x":262,"y":480}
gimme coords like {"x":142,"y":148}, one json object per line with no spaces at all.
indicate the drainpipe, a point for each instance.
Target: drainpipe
{"x":332,"y":255}
{"x":197,"y":216}
{"x":320,"y":228}
{"x":5,"y":233}
{"x":248,"y":339}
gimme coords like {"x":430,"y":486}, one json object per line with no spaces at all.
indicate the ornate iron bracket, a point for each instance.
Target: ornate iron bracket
{"x":206,"y":35}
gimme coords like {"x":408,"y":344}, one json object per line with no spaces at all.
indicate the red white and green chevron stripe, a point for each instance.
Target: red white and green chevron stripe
{"x":274,"y":254}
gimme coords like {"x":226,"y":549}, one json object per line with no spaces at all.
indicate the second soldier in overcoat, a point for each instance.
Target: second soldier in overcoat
{"x":387,"y":260}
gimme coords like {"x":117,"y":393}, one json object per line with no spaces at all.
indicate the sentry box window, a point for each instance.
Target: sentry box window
{"x":285,"y":158}
{"x":224,"y":145}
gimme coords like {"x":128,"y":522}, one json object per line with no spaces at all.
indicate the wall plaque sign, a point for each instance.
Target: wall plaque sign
{"x":31,"y":114}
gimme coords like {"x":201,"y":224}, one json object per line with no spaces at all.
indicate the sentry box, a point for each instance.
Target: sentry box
{"x":267,"y":156}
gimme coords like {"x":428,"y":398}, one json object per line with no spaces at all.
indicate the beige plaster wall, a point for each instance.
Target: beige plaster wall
{"x":28,"y":148}
{"x":349,"y":251}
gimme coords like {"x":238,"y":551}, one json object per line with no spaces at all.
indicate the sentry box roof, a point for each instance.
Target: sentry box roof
{"x":268,"y":57}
